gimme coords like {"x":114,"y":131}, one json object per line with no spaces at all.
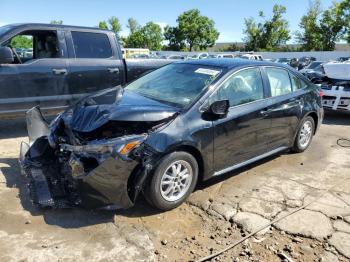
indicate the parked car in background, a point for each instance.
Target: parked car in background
{"x":198,"y":56}
{"x":64,"y":64}
{"x":252,"y":57}
{"x":221,"y":56}
{"x":283,"y":60}
{"x":174,"y":57}
{"x":343,"y":58}
{"x":312,"y":67}
{"x":165,"y":132}
{"x":305,"y":61}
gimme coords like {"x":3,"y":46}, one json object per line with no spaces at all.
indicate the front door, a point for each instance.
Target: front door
{"x":38,"y":76}
{"x":243,"y":133}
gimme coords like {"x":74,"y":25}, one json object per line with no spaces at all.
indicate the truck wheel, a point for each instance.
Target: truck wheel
{"x":173,"y":181}
{"x":304,"y":135}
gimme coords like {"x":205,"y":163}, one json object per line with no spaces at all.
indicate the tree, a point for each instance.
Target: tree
{"x":345,"y":9}
{"x":320,"y":30}
{"x":56,"y":22}
{"x":268,"y":34}
{"x":175,"y":38}
{"x":149,"y":36}
{"x":103,"y":25}
{"x":332,"y":27}
{"x":193,"y":30}
{"x":133,"y":25}
{"x":113,"y":24}
{"x":310,"y":35}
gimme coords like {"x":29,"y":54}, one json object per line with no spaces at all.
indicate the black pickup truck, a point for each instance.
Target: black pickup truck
{"x":63,"y":64}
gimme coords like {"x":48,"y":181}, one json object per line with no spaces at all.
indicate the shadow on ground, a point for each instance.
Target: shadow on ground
{"x":336,"y":118}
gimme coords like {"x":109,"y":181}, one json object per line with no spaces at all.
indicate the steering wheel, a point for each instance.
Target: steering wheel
{"x":16,"y":55}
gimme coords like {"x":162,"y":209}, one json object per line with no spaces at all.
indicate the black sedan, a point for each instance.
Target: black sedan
{"x":168,"y":130}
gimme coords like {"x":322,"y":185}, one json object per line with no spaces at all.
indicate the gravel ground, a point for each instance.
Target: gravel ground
{"x":220,"y":212}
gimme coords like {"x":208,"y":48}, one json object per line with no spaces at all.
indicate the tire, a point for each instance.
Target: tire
{"x":301,"y":145}
{"x":164,"y":178}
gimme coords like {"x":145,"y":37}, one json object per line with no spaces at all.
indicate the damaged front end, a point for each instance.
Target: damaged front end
{"x":73,"y":164}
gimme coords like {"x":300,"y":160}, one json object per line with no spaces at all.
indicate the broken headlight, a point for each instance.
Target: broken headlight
{"x":121,"y":146}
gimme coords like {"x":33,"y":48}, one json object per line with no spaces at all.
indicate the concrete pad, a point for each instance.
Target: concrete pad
{"x":269,"y":194}
{"x":330,"y":205}
{"x":341,"y":226}
{"x":225,"y":210}
{"x":306,"y":223}
{"x":251,"y":222}
{"x":289,"y":188}
{"x":264,"y":208}
{"x":328,"y":257}
{"x":341,"y":242}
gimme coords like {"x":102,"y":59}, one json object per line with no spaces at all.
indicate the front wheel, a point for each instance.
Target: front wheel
{"x":173,"y":181}
{"x":304,"y":135}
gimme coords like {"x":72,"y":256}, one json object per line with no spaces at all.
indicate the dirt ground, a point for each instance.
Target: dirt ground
{"x":218,"y":213}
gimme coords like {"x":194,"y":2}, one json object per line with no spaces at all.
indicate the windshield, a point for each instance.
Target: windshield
{"x":313,"y":65}
{"x":175,"y":84}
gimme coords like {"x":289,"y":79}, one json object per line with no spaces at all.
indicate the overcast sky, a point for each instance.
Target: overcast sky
{"x":228,"y":14}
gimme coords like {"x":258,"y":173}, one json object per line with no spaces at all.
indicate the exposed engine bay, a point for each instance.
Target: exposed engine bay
{"x":93,"y":154}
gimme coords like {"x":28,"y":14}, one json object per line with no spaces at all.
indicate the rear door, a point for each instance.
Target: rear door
{"x":243,"y":133}
{"x":284,"y":107}
{"x":94,"y":63}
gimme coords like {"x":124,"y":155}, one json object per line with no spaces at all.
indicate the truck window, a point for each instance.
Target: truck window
{"x":91,"y":45}
{"x":34,"y":44}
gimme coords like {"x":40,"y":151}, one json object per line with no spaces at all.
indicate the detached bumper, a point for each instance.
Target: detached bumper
{"x":336,"y":98}
{"x":65,"y":179}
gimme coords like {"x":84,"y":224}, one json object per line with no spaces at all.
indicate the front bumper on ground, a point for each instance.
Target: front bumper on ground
{"x":336,"y":98}
{"x":54,"y":182}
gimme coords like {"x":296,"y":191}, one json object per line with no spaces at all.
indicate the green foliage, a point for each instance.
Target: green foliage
{"x":103,"y":25}
{"x":320,"y":30}
{"x":133,"y":25}
{"x":113,"y":24}
{"x":21,"y":41}
{"x":193,"y":30}
{"x":56,"y":22}
{"x":268,"y":34}
{"x":149,"y":36}
{"x":175,"y":37}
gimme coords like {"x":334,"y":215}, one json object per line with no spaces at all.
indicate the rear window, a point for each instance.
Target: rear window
{"x":297,"y":83}
{"x":91,"y":45}
{"x":279,"y":81}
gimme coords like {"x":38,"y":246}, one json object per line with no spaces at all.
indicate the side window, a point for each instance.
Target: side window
{"x":297,"y":83}
{"x":91,"y":45}
{"x":23,"y":45}
{"x":34,"y":44}
{"x":242,"y":87}
{"x":279,"y":81}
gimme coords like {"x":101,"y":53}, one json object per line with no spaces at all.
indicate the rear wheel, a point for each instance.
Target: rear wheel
{"x":173,"y":181}
{"x":304,"y":135}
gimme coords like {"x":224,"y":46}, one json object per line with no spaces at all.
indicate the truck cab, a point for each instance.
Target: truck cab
{"x":52,"y":66}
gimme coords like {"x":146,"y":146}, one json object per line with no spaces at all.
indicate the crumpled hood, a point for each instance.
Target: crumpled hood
{"x":132,"y":107}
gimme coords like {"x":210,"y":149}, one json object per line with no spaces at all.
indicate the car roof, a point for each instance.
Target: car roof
{"x":229,"y":63}
{"x":55,"y":26}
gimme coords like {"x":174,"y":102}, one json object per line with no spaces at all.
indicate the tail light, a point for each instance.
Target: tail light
{"x":321,"y":93}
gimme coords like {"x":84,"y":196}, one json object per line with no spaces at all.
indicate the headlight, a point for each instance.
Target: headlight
{"x":121,"y":146}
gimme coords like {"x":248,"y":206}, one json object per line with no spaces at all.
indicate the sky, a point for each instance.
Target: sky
{"x":228,"y":15}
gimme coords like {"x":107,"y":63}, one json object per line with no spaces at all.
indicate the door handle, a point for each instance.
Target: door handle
{"x":113,"y":70}
{"x":265,"y":112}
{"x":59,"y":71}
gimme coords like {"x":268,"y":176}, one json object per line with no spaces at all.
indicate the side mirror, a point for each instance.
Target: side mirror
{"x":6,"y":55}
{"x":220,"y":108}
